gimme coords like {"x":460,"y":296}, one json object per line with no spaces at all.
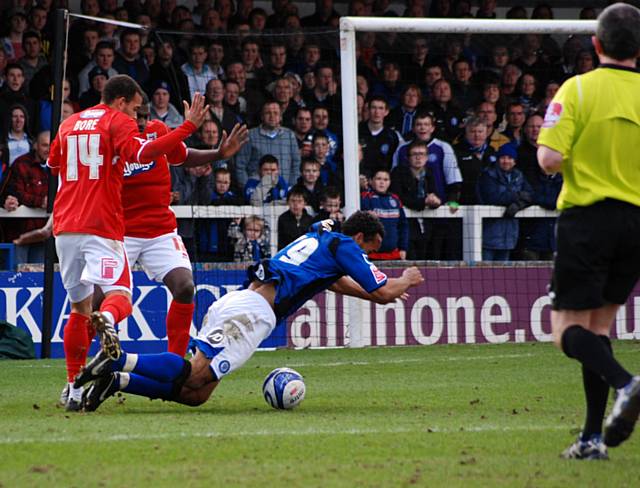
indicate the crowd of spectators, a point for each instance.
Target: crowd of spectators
{"x":439,"y":114}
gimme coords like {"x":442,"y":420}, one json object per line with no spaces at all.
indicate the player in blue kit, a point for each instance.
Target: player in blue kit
{"x":239,"y":321}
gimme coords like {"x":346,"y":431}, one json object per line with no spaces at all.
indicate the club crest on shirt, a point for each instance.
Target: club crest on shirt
{"x":132,"y":169}
{"x":554,"y":112}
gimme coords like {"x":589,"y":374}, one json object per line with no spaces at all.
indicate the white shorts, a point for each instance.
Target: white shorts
{"x":233,"y":329}
{"x":87,"y":260}
{"x":157,"y":255}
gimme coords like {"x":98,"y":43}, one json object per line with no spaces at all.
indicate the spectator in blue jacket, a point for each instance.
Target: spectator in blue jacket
{"x":388,"y":208}
{"x":539,"y":234}
{"x":502,"y":184}
{"x":271,"y":187}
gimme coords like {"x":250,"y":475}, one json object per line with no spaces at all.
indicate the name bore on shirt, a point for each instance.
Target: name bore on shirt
{"x":85,"y":124}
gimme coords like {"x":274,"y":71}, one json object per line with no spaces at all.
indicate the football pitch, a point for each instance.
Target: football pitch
{"x":465,"y":415}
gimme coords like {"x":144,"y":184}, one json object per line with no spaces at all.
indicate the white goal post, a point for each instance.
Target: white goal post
{"x":350,"y":25}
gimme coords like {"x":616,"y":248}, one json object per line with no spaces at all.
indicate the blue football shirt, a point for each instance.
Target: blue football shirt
{"x":312,"y":263}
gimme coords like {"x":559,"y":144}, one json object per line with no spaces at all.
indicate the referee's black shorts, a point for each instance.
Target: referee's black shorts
{"x":598,"y":255}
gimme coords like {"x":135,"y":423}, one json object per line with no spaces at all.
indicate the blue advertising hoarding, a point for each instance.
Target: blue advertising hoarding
{"x":21,"y":296}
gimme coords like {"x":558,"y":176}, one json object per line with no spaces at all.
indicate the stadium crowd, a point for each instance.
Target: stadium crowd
{"x":444,"y":119}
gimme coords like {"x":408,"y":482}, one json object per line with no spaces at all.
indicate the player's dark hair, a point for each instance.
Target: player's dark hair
{"x":619,"y":31}
{"x":120,"y":86}
{"x":364,"y":222}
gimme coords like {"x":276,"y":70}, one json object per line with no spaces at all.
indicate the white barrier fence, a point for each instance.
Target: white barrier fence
{"x":471,"y":216}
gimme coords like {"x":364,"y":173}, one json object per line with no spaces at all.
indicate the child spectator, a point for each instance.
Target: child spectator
{"x":502,"y":184}
{"x":309,"y":183}
{"x":330,"y":205}
{"x":251,"y":239}
{"x":321,"y":152}
{"x":270,"y":187}
{"x":294,"y":222}
{"x":388,"y":208}
{"x":214,"y":244}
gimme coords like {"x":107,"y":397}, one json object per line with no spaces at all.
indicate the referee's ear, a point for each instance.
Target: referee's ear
{"x":597,"y":45}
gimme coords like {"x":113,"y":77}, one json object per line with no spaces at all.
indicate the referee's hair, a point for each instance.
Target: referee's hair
{"x":120,"y":86}
{"x":364,"y":222}
{"x":619,"y":31}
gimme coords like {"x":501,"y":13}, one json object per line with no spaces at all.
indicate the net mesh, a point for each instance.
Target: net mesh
{"x":466,"y":96}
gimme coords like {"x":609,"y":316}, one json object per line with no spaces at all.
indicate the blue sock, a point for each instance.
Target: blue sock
{"x":147,"y":387}
{"x":165,"y":367}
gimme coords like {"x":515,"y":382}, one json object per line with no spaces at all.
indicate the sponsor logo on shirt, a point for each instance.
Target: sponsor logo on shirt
{"x":554,"y":112}
{"x":92,"y":114}
{"x":132,"y":169}
{"x":378,"y":275}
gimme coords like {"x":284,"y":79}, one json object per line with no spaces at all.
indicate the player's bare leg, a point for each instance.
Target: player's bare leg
{"x":180,"y":313}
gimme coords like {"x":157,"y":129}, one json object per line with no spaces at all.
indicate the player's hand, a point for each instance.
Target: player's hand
{"x":231,"y":144}
{"x":413,"y":276}
{"x":33,"y":236}
{"x":197,"y":111}
{"x":404,"y":297}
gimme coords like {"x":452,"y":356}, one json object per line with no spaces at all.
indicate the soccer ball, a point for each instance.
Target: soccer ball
{"x":283,"y":388}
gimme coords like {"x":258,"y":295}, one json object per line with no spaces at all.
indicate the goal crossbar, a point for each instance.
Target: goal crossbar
{"x":350,"y":25}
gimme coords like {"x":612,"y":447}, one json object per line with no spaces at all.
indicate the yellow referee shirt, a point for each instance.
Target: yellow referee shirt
{"x":594,"y":122}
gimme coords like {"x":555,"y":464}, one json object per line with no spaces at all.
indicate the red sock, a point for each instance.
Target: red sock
{"x":178,"y":324}
{"x":117,"y":305}
{"x":76,"y":343}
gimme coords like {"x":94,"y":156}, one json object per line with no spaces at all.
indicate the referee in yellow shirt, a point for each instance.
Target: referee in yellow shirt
{"x":591,"y":133}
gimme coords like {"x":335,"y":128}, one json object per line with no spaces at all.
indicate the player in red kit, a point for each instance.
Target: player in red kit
{"x":89,"y":154}
{"x":151,"y":238}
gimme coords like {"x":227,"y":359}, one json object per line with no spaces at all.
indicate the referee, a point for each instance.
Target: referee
{"x":591,"y":133}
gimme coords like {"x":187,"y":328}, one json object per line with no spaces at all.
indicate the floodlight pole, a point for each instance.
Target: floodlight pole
{"x":59,"y":48}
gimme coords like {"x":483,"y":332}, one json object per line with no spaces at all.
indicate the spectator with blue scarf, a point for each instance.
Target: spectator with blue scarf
{"x":251,"y":239}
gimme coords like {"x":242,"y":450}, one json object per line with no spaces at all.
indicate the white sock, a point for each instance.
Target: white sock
{"x":109,"y":317}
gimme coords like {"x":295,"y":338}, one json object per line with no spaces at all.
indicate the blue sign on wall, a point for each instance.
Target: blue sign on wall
{"x":21,"y":296}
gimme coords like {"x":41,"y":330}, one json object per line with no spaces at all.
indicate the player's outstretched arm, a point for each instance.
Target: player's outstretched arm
{"x":36,"y":235}
{"x":393,"y":289}
{"x":197,"y":111}
{"x":229,"y":146}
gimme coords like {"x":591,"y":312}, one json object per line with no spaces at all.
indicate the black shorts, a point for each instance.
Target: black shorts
{"x":598,"y":256}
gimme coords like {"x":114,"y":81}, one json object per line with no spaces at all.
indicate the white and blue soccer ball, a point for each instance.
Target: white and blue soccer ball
{"x":284,"y":388}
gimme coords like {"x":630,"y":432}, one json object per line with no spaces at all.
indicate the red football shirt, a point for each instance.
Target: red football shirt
{"x":147,"y":190}
{"x":89,"y":152}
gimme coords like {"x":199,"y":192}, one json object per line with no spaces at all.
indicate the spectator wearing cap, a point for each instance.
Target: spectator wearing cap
{"x":33,"y":59}
{"x":12,"y":43}
{"x":161,"y":107}
{"x":504,"y":185}
{"x":97,"y":79}
{"x":103,"y":57}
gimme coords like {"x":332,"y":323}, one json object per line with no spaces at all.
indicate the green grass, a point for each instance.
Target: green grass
{"x":412,"y":416}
